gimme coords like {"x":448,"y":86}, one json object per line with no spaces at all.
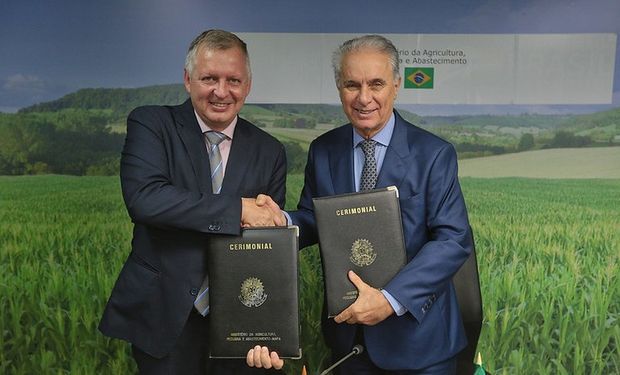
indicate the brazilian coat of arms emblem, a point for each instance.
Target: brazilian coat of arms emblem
{"x":252,"y":292}
{"x":362,"y":253}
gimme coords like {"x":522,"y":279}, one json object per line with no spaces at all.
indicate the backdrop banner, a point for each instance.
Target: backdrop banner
{"x":445,"y":68}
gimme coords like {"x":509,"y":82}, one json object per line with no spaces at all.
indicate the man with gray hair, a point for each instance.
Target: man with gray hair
{"x":413,"y":324}
{"x":189,"y":172}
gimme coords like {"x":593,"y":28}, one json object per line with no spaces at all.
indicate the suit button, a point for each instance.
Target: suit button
{"x":194,"y":291}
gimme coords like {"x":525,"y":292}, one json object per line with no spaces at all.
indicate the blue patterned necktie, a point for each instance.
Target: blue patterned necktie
{"x":201,"y":303}
{"x":369,"y":172}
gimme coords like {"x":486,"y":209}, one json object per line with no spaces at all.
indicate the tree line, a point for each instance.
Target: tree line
{"x":527,"y":142}
{"x":71,"y":141}
{"x":76,"y":133}
{"x":75,"y":142}
{"x":81,"y":142}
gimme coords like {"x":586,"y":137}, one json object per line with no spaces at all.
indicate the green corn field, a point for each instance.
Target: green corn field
{"x":548,"y":253}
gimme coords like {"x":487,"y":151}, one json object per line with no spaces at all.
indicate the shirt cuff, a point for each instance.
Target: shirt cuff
{"x":289,"y":221}
{"x":399,"y":309}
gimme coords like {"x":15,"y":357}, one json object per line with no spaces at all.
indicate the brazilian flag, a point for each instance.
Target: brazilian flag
{"x":419,"y":78}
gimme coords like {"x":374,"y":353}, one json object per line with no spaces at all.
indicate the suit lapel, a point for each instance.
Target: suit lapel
{"x":341,"y":162}
{"x":191,"y":135}
{"x":237,"y":164}
{"x":396,"y":161}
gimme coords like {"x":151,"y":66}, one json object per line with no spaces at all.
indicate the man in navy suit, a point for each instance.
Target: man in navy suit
{"x":412,"y":325}
{"x":174,"y":192}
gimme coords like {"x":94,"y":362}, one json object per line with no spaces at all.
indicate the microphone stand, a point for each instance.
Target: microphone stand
{"x":357,"y":349}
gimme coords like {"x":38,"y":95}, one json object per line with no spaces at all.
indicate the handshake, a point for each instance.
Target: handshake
{"x":261,"y":211}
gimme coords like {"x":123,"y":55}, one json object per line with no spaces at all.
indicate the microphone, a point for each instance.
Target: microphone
{"x":357,"y":349}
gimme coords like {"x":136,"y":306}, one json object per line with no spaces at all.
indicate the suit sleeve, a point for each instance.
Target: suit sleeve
{"x":277,"y":183}
{"x":147,"y":177}
{"x":430,"y":271}
{"x":304,"y":216}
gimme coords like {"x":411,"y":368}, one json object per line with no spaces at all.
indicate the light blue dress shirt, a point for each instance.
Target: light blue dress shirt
{"x":383,"y":141}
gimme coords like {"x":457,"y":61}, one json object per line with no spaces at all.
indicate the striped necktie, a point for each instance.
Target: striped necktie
{"x":201,"y":303}
{"x":215,"y":159}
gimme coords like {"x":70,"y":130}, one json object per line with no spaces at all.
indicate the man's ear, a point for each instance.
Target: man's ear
{"x":186,"y":80}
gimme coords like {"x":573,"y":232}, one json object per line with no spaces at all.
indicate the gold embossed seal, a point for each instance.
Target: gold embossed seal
{"x":252,"y":292}
{"x":362,"y":253}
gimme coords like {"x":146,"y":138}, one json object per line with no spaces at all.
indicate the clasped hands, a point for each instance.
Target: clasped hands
{"x":261,"y":211}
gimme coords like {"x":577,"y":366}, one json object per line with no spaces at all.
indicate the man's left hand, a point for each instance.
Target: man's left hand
{"x":370,"y":308}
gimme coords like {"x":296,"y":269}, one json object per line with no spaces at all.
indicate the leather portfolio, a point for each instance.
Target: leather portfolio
{"x":360,"y":232}
{"x":253,"y":292}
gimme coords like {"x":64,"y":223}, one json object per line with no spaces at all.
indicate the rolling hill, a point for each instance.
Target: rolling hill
{"x":593,"y":162}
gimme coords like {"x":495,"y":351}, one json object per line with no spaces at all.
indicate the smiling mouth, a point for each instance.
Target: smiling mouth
{"x":364,"y":111}
{"x":219,"y":105}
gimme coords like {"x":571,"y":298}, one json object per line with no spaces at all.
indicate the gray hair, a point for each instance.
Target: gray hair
{"x":377,"y":43}
{"x":215,"y":40}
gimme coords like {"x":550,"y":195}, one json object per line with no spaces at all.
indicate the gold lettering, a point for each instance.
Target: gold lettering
{"x":251,"y":246}
{"x":356,"y":210}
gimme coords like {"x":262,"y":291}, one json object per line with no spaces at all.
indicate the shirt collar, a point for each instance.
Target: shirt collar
{"x":228,"y":131}
{"x":384,"y":135}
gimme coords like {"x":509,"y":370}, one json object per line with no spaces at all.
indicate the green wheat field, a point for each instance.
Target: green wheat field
{"x":548,"y":252}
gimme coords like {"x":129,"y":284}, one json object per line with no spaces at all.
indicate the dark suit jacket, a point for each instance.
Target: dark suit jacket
{"x":166,"y":183}
{"x":437,"y":236}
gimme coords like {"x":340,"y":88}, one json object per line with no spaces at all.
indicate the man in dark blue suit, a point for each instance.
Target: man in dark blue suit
{"x":181,"y":186}
{"x":412,"y":325}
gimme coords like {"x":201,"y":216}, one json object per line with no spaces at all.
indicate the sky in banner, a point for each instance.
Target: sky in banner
{"x":50,"y":48}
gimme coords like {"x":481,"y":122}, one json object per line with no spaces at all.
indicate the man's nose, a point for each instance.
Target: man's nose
{"x":365,"y":96}
{"x":221,"y":88}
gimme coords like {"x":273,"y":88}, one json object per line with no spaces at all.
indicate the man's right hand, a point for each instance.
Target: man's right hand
{"x":260,"y":212}
{"x":260,"y":357}
{"x":263,"y":200}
